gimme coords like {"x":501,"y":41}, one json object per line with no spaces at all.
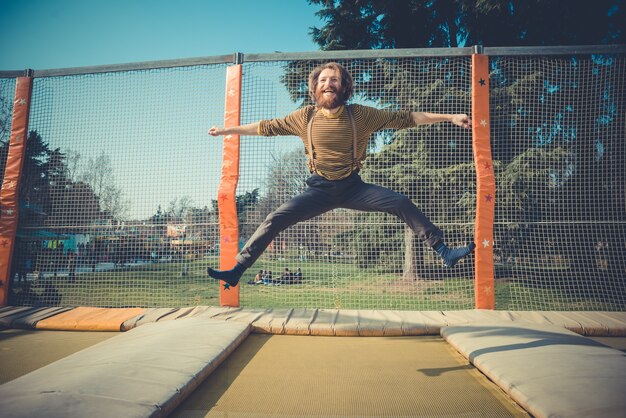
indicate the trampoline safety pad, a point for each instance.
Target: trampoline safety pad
{"x":548,"y":370}
{"x":143,"y":372}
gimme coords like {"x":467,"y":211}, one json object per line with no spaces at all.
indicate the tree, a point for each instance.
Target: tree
{"x":34,"y":184}
{"x":76,"y":205}
{"x":47,"y":193}
{"x":98,"y":173}
{"x":246,"y":202}
{"x":159,"y":218}
{"x":47,"y":186}
{"x":73,"y":165}
{"x":381,"y":24}
{"x":178,"y":208}
{"x":5,"y":120}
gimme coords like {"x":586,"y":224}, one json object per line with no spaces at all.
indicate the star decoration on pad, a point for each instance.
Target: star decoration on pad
{"x":483,"y":123}
{"x":232,"y":92}
{"x":489,"y":198}
{"x":487,"y":165}
{"x":10,"y":184}
{"x":488,"y":290}
{"x":486,"y":243}
{"x":482,"y":81}
{"x":4,"y":243}
{"x":226,"y":286}
{"x":21,"y":101}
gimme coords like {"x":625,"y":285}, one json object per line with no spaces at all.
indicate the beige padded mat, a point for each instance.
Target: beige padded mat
{"x":140,"y":373}
{"x":303,"y":376}
{"x":550,"y":371}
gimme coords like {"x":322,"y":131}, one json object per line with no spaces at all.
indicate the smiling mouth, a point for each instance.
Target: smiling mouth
{"x":328,"y":97}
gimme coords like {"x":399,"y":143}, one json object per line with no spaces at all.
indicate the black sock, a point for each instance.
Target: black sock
{"x":231,"y":276}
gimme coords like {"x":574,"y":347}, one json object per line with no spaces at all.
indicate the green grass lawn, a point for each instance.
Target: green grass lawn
{"x":325,"y":285}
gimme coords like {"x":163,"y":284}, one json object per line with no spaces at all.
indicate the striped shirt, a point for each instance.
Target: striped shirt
{"x":332,"y":135}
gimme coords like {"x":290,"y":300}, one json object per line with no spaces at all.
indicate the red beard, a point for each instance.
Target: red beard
{"x":330,"y":102}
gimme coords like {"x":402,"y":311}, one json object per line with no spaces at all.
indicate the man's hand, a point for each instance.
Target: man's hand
{"x":461,"y":120}
{"x":215,"y":131}
{"x":425,"y":118}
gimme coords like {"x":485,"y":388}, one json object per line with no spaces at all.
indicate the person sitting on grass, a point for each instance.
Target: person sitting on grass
{"x":297,"y":276}
{"x":287,"y":276}
{"x":258,"y":279}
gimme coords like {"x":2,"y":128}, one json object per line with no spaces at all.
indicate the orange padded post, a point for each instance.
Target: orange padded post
{"x":11,"y":182}
{"x":486,"y":184}
{"x":229,"y":226}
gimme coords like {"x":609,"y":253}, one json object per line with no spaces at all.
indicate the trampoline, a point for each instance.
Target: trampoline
{"x":379,"y":329}
{"x":207,"y":361}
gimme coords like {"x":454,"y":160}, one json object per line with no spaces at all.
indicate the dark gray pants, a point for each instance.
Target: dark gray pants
{"x":324,"y":195}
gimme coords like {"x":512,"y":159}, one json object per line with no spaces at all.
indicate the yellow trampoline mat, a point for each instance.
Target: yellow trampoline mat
{"x":23,"y":351}
{"x":298,"y":376}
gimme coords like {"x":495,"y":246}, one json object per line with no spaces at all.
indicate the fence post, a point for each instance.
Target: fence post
{"x":11,"y":182}
{"x":484,"y":289}
{"x":229,"y":226}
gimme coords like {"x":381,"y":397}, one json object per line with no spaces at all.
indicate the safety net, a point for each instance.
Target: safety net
{"x":119,"y":189}
{"x":347,"y":258}
{"x":559,"y":146}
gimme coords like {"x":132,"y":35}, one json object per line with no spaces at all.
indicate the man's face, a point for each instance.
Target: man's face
{"x":328,"y":93}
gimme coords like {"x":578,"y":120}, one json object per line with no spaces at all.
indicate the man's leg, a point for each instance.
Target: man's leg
{"x":373,"y":198}
{"x":370,"y":197}
{"x":307,"y":205}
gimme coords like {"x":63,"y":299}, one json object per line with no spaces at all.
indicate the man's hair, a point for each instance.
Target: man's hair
{"x":347,"y":83}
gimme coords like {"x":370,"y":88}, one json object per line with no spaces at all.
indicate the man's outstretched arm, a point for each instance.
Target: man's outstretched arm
{"x":249,"y":129}
{"x":424,"y":118}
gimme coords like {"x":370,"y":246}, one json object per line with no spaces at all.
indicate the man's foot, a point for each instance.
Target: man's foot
{"x":451,"y":256}
{"x":231,"y":276}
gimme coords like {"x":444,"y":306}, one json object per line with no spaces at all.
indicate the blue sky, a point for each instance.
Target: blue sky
{"x":45,"y":34}
{"x":172,"y":110}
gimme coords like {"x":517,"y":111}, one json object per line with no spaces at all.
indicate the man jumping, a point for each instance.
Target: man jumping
{"x":335,"y":136}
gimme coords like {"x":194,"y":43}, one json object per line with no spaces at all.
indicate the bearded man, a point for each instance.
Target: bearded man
{"x":335,"y":136}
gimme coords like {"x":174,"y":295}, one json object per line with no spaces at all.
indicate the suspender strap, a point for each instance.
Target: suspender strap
{"x":353,"y":123}
{"x":310,"y":137}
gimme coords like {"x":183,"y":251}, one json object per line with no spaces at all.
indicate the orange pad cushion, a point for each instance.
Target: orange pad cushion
{"x":90,"y":319}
